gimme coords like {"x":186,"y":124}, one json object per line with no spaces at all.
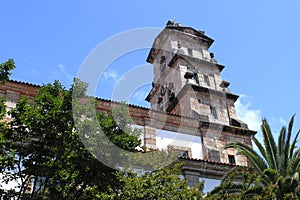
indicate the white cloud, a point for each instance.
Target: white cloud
{"x":64,"y":72}
{"x":64,"y":76}
{"x":111,"y":75}
{"x":282,"y":121}
{"x":276,"y":125}
{"x":247,"y":114}
{"x":250,"y":116}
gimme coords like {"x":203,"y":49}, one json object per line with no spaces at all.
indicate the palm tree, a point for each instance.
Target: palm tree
{"x":236,"y":184}
{"x":277,"y":165}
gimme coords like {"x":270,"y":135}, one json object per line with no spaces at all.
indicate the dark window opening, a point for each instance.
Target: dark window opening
{"x":231,"y":159}
{"x":178,"y":44}
{"x":206,"y":80}
{"x":163,"y":90}
{"x":185,"y":154}
{"x":162,"y":59}
{"x":162,"y":63}
{"x":159,"y":100}
{"x":182,"y":153}
{"x":213,"y":112}
{"x":195,"y":77}
{"x":161,"y":105}
{"x":214,"y":155}
{"x":171,"y":96}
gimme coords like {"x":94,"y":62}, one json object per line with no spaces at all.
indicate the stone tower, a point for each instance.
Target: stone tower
{"x":192,"y":108}
{"x":187,"y":77}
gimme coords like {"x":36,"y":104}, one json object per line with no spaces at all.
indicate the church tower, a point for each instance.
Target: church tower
{"x":187,"y":77}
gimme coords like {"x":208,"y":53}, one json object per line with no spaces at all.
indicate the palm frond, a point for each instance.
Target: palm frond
{"x":229,"y":188}
{"x":277,"y":165}
{"x":293,"y":145}
{"x":282,"y":150}
{"x":287,"y":148}
{"x":294,"y":163}
{"x":290,"y":127}
{"x":216,"y":190}
{"x":229,"y":175}
{"x":281,"y":142}
{"x":257,"y":162}
{"x":235,"y":174}
{"x":253,"y":190}
{"x":235,"y":188}
{"x":270,"y":176}
{"x":260,"y":147}
{"x":287,"y":142}
{"x":271,"y":149}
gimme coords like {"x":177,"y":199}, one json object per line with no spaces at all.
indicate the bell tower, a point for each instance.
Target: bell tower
{"x":187,"y":77}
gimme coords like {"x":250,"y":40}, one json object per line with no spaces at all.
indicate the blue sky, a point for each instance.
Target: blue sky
{"x":257,"y":41}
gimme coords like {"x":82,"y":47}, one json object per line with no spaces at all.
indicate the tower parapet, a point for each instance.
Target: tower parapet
{"x":187,"y":77}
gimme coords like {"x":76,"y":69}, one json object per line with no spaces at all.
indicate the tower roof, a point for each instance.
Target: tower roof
{"x":176,"y":28}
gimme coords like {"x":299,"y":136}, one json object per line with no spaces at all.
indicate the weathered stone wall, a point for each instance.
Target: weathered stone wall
{"x":215,"y":141}
{"x":214,"y":136}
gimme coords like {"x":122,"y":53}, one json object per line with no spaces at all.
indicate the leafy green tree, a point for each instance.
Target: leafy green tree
{"x":164,"y":184}
{"x":277,"y":166}
{"x":6,"y":157}
{"x":49,"y":154}
{"x":42,"y":151}
{"x":235,"y":185}
{"x":5,"y":72}
{"x":5,"y":69}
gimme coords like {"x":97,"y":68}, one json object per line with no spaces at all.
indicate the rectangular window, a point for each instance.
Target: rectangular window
{"x":206,"y":80}
{"x":214,"y":155}
{"x":162,"y":63}
{"x":161,"y":106}
{"x":190,"y":52}
{"x":231,"y":159}
{"x":185,"y":154}
{"x":182,"y":153}
{"x":213,"y":112}
{"x":195,"y":77}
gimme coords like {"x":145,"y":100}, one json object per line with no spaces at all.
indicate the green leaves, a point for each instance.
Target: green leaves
{"x":161,"y":184}
{"x":270,"y":146}
{"x":6,"y":153}
{"x":45,"y":147}
{"x":5,"y":69}
{"x":277,"y":165}
{"x":257,"y":162}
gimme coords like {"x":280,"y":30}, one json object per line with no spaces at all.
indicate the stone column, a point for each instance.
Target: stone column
{"x":150,"y":137}
{"x":192,"y":177}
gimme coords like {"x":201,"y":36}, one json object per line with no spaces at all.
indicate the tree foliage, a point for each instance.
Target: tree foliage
{"x":5,"y":69}
{"x":276,"y":166}
{"x":47,"y":152}
{"x":43,"y":153}
{"x":163,"y":184}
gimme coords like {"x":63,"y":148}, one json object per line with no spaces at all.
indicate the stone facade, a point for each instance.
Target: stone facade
{"x":188,"y":83}
{"x":192,"y":108}
{"x":203,"y":140}
{"x":181,"y":58}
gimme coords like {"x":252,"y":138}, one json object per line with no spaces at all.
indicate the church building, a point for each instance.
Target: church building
{"x":192,"y":108}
